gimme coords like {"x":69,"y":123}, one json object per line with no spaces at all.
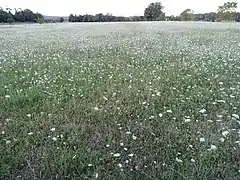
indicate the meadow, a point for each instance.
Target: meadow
{"x":146,"y":101}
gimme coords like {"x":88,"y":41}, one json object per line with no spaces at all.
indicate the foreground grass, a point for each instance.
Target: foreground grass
{"x":120,"y":101}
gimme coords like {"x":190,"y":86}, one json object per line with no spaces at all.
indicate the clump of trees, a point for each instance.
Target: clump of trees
{"x":26,"y":15}
{"x":103,"y":18}
{"x":227,"y":12}
{"x":237,"y":17}
{"x":187,"y":15}
{"x":212,"y":17}
{"x":61,"y":19}
{"x":154,"y":12}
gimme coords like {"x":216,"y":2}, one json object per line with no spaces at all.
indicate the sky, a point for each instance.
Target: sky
{"x":115,"y":7}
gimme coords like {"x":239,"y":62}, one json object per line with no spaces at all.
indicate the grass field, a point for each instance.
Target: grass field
{"x":120,"y":101}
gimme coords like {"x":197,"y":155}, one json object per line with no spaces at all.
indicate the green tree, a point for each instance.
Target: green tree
{"x":61,"y":19}
{"x":40,"y":20}
{"x":6,"y":16}
{"x":187,"y":15}
{"x":10,"y":20}
{"x":99,"y":17}
{"x":154,"y":12}
{"x":29,"y":15}
{"x":227,"y":12}
{"x":238,"y":17}
{"x":3,"y":15}
{"x":19,"y":15}
{"x":212,"y":16}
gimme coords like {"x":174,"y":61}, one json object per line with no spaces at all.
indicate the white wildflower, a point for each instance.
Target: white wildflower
{"x":7,"y":120}
{"x":220,"y":116}
{"x":107,"y":145}
{"x":121,"y":144}
{"x":169,"y":111}
{"x":160,"y":115}
{"x":151,"y":117}
{"x":54,"y":138}
{"x":90,"y":165}
{"x":130,"y":155}
{"x":221,"y":101}
{"x":96,"y":175}
{"x":30,"y":133}
{"x":29,"y":115}
{"x":105,"y":98}
{"x":120,"y":165}
{"x":225,"y":133}
{"x":212,"y":148}
{"x":179,"y":160}
{"x":8,"y":141}
{"x":7,"y":96}
{"x":193,"y":160}
{"x":222,"y":139}
{"x":235,"y":116}
{"x":96,"y":108}
{"x":53,"y":129}
{"x":134,"y":137}
{"x":3,"y":132}
{"x":117,"y":155}
{"x":203,"y":111}
{"x":202,"y":139}
{"x":237,"y":142}
{"x":187,"y":120}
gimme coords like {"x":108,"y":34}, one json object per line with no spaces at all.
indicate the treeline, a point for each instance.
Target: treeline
{"x":103,"y":18}
{"x":154,"y":12}
{"x":210,"y":17}
{"x":26,"y":15}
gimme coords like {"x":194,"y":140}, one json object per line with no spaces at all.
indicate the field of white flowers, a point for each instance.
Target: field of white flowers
{"x":120,"y":101}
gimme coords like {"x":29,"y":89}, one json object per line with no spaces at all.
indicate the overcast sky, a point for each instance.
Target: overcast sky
{"x":116,"y":7}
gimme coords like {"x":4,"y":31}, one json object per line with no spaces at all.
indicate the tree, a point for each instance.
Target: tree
{"x":61,"y":19}
{"x":109,"y":17}
{"x":19,"y":16}
{"x":212,"y":16}
{"x":227,"y":12}
{"x":40,"y":20}
{"x":29,"y":15}
{"x":6,"y":16}
{"x":3,"y":15}
{"x":238,"y":17}
{"x":99,"y":17}
{"x":161,"y":17}
{"x":26,"y":15}
{"x":154,"y":12}
{"x":10,"y":20}
{"x":38,"y":16}
{"x":187,"y":15}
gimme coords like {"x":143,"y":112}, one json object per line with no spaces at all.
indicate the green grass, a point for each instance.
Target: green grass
{"x":137,"y":90}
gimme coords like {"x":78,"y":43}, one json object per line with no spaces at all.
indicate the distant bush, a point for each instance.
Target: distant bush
{"x":61,"y":19}
{"x":40,"y":20}
{"x":10,"y":20}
